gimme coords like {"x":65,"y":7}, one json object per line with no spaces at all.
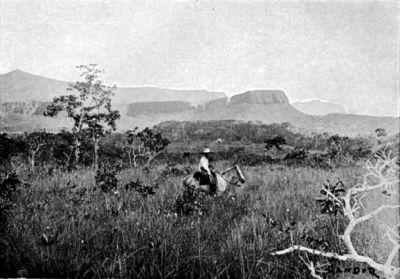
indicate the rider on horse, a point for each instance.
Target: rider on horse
{"x":212,"y":182}
{"x":207,"y":177}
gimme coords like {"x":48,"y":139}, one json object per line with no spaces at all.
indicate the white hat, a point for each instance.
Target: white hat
{"x":206,"y":150}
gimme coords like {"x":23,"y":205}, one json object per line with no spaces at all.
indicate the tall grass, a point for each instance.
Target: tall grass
{"x":64,"y":226}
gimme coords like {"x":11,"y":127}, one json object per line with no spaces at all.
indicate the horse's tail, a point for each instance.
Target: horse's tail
{"x":242,"y":179}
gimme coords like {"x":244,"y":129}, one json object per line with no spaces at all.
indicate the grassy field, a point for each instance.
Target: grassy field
{"x":64,"y":226}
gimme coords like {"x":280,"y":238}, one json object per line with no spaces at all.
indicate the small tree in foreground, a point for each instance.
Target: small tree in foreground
{"x":90,"y":110}
{"x":145,"y":144}
{"x":35,"y":142}
{"x":153,"y":142}
{"x":382,"y":175}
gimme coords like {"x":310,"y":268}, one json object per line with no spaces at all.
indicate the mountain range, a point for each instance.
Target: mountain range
{"x":24,"y":96}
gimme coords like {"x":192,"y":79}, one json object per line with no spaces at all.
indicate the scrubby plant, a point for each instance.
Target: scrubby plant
{"x":139,"y":187}
{"x":297,"y":156}
{"x":191,"y":202}
{"x":331,"y":193}
{"x":320,"y":160}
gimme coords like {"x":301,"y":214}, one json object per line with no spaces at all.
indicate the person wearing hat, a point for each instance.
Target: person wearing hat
{"x":204,"y":168}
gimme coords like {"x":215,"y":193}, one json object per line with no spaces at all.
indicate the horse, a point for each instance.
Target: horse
{"x":222,"y":181}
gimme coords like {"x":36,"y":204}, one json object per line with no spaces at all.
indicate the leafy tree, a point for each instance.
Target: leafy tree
{"x":90,"y":110}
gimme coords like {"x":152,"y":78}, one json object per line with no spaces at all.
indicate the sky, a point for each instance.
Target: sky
{"x":345,"y":52}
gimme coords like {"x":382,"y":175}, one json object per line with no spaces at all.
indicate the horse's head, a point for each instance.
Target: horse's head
{"x":239,"y":173}
{"x":234,"y":176}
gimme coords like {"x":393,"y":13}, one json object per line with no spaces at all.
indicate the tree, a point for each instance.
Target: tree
{"x":90,"y":110}
{"x":132,"y":147}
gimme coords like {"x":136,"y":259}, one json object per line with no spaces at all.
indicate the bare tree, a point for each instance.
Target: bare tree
{"x":382,"y":174}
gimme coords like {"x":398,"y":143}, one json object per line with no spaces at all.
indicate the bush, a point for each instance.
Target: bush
{"x":140,"y":188}
{"x":106,"y":179}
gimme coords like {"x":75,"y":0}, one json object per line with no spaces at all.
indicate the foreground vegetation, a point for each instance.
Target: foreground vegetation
{"x":65,"y":226}
{"x":131,"y":217}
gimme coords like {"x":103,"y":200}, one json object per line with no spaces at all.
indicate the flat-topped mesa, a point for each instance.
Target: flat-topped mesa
{"x":262,"y":97}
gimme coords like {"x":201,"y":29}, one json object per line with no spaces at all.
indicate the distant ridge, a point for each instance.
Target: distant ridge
{"x":319,"y":107}
{"x":20,"y":86}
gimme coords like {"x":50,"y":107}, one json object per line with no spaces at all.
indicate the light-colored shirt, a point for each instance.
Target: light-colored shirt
{"x":204,"y":164}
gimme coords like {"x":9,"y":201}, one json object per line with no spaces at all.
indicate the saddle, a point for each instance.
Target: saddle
{"x":205,"y":179}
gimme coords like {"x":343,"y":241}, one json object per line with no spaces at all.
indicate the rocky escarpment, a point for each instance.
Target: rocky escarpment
{"x":262,"y":97}
{"x":268,"y":106}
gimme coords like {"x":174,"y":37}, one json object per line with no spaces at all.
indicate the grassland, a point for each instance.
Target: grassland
{"x":63,"y":225}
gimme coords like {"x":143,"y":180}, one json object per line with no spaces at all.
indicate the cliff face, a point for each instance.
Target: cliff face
{"x":148,"y":108}
{"x":262,"y":97}
{"x":267,"y":106}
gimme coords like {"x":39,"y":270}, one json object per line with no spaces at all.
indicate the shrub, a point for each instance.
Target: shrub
{"x":106,"y":179}
{"x":140,"y":188}
{"x":275,"y":142}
